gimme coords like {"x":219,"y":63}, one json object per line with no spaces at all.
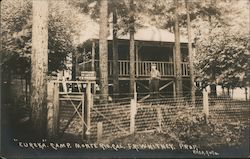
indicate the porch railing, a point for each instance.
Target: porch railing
{"x":142,"y":68}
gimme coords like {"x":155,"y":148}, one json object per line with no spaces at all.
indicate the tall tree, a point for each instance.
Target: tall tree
{"x":39,"y":65}
{"x":103,"y":47}
{"x":223,"y":50}
{"x":17,"y":32}
{"x":132,"y":46}
{"x":177,"y":51}
{"x":115,"y":53}
{"x":213,"y":71}
{"x":191,"y":67}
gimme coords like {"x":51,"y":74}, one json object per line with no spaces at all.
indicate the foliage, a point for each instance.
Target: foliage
{"x":190,"y":126}
{"x":91,"y":8}
{"x":161,"y":13}
{"x":63,"y":29}
{"x":223,"y":48}
{"x":227,"y":55}
{"x":220,"y":30}
{"x":17,"y":33}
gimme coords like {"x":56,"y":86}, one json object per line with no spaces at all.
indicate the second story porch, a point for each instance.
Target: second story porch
{"x":142,"y":68}
{"x":146,"y":52}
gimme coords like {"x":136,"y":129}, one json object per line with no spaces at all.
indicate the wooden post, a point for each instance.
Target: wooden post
{"x":99,"y":131}
{"x":135,"y":93}
{"x":56,"y":107}
{"x":174,"y":90}
{"x":64,"y":84}
{"x":88,"y":107}
{"x":205,"y":104}
{"x":93,"y":57}
{"x":74,"y":65}
{"x":84,"y":128}
{"x":159,"y":117}
{"x":132,"y":115}
{"x":53,"y":110}
{"x":136,"y":60}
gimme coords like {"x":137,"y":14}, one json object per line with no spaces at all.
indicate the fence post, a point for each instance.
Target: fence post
{"x":89,"y":105}
{"x":84,"y":128}
{"x":205,"y":104}
{"x":132,"y":115}
{"x":99,"y":131}
{"x":159,"y":117}
{"x":135,"y":93}
{"x":133,"y":104}
{"x":53,"y":109}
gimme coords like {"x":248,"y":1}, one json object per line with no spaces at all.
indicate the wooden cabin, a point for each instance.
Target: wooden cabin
{"x":152,"y":45}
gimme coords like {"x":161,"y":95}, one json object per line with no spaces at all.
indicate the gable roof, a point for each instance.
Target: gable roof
{"x":150,"y":33}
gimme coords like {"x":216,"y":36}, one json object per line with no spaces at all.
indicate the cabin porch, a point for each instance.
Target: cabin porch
{"x":146,"y":53}
{"x":142,"y":69}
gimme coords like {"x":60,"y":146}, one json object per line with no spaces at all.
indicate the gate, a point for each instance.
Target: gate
{"x":68,"y":100}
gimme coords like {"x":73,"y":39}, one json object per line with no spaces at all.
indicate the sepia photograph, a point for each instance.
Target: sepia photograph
{"x":124,"y":79}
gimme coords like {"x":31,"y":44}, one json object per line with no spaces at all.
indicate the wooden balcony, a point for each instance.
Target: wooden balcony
{"x":142,"y":68}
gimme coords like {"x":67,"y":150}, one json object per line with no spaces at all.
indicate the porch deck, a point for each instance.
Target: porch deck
{"x":142,"y":68}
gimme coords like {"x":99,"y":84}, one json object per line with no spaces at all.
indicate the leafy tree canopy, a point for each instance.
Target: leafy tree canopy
{"x":223,"y":50}
{"x":17,"y":32}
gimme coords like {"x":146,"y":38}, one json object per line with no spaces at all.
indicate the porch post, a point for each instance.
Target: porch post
{"x":174,"y":90}
{"x":177,"y":74}
{"x":88,"y":108}
{"x":137,"y":59}
{"x":93,"y":56}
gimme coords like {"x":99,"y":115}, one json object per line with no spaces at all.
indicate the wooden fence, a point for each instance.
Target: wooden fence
{"x":112,"y":120}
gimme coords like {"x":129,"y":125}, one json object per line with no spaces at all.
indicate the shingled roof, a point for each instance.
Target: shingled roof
{"x":152,"y":34}
{"x":144,"y":34}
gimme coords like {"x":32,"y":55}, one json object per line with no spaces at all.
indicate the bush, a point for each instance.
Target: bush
{"x":190,"y":127}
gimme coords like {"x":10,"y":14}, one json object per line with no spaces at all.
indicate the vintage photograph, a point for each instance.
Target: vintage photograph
{"x":125,"y":78}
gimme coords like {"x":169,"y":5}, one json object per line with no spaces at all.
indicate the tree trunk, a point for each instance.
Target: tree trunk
{"x":213,"y":78}
{"x":39,"y":66}
{"x":191,"y":66}
{"x":93,"y":56}
{"x":132,"y":48}
{"x":178,"y":70}
{"x":74,"y":63}
{"x":103,"y":47}
{"x":115,"y":55}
